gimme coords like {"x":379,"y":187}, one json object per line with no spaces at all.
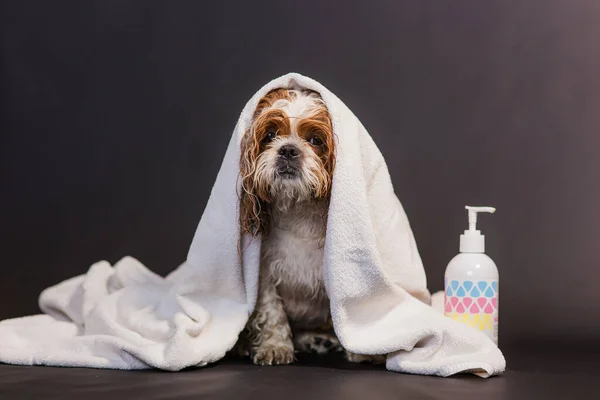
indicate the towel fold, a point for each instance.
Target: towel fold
{"x":126,"y":317}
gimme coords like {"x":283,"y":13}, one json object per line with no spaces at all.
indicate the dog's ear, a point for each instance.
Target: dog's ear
{"x":252,"y":205}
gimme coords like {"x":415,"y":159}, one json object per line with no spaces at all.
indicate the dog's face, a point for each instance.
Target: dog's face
{"x":287,"y":154}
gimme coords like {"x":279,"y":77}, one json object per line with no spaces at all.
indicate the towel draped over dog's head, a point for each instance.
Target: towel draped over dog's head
{"x":124,"y":316}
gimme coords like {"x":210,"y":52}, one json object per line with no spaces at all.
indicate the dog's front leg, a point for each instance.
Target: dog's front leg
{"x":269,"y":330}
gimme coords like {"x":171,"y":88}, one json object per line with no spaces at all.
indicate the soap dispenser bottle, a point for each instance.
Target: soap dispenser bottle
{"x":471,"y":281}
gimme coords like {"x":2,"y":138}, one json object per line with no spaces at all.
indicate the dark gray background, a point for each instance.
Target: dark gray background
{"x":115,"y":116}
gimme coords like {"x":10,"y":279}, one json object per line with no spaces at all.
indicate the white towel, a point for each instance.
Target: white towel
{"x":126,"y":317}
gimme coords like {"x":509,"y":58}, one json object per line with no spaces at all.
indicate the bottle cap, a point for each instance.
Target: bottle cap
{"x":472,"y":241}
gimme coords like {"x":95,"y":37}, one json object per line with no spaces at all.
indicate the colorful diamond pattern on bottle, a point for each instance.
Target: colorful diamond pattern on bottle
{"x":472,"y":302}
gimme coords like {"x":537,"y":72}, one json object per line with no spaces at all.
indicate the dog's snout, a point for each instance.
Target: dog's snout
{"x":289,"y":151}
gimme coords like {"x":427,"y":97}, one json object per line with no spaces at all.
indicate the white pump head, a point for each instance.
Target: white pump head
{"x":472,"y":241}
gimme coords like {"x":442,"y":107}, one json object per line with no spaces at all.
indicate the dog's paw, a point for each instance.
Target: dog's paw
{"x":273,"y":355}
{"x":317,"y":342}
{"x":364,"y":358}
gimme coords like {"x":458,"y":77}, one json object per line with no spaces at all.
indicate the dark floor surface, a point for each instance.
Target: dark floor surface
{"x":556,"y":372}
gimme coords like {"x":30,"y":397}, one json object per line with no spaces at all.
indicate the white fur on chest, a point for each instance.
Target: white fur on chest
{"x":293,"y":258}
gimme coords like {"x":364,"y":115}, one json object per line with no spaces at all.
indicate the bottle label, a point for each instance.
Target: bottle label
{"x":474,"y":303}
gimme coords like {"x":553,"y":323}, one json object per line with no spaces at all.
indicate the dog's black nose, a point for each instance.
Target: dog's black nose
{"x":289,"y":151}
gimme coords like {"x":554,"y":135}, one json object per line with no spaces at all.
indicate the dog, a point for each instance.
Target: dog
{"x":286,"y":168}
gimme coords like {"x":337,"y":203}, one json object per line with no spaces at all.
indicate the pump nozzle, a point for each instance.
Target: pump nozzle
{"x":473,"y":215}
{"x":472,"y":241}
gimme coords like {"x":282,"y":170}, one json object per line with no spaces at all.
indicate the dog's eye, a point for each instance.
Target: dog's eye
{"x":271,"y":134}
{"x":315,"y":141}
